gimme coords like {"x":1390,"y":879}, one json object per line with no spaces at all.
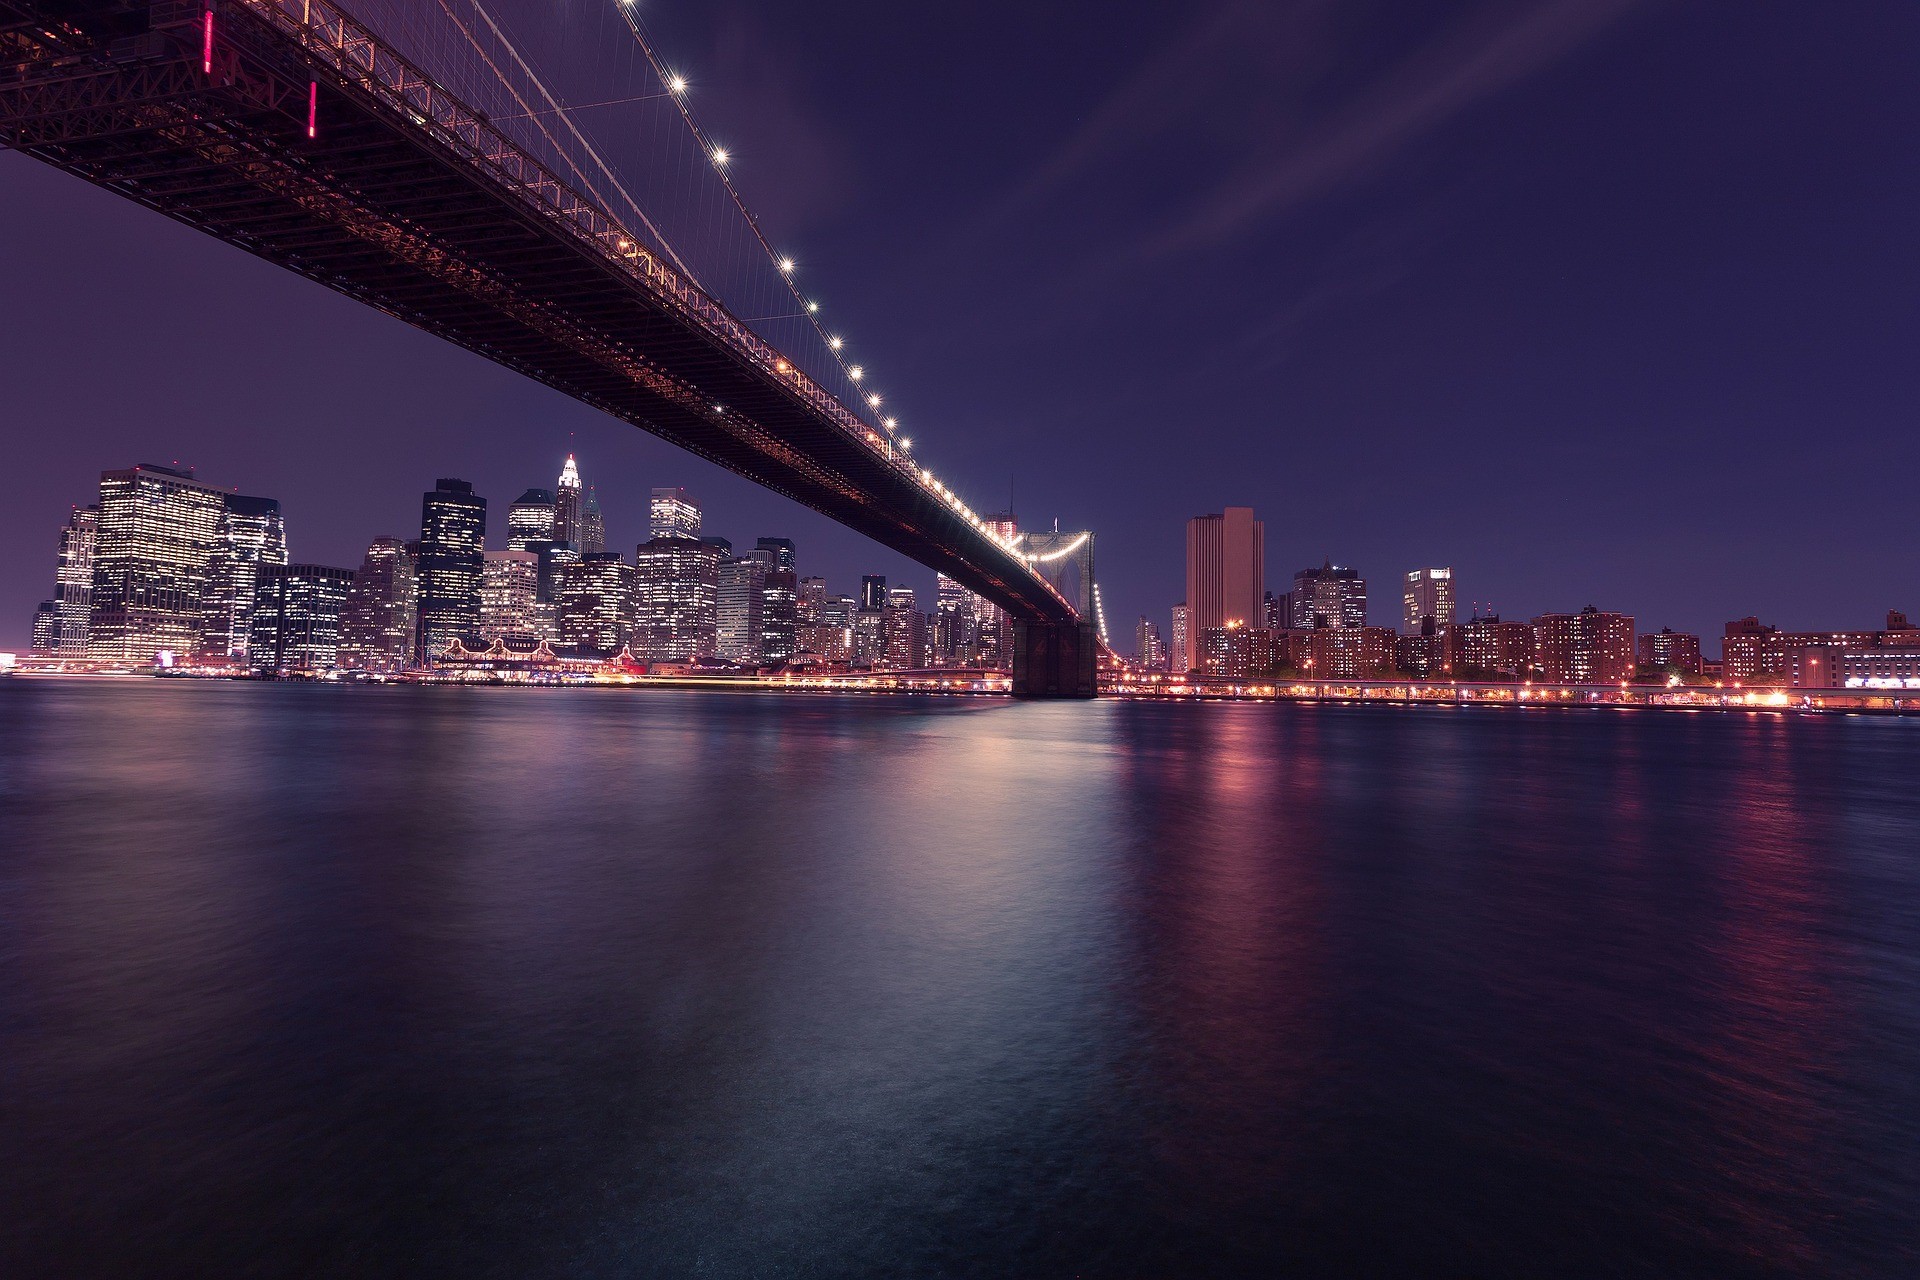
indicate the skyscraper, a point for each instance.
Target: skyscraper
{"x":1330,"y":596}
{"x":453,"y":533}
{"x":952,"y":642}
{"x":673,"y":513}
{"x":906,"y":630}
{"x":1180,"y":657}
{"x":678,"y":590}
{"x":509,"y":582}
{"x":295,"y":618}
{"x":152,"y":547}
{"x":835,"y":628}
{"x":593,"y":603}
{"x":567,"y":504}
{"x":593,"y":526}
{"x":779,"y":601}
{"x":743,"y":582}
{"x":73,"y":582}
{"x":1148,"y":650}
{"x":1428,"y":593}
{"x":1226,"y":571}
{"x":381,"y":612}
{"x":530,"y":520}
{"x":251,"y":535}
{"x":46,"y":628}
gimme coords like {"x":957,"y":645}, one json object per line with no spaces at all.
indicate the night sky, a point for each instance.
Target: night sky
{"x":1597,"y":301}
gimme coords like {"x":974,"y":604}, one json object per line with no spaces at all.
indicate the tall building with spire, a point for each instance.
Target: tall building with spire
{"x":568,"y":504}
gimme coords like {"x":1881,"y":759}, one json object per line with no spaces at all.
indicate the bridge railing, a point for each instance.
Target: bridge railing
{"x":335,"y":38}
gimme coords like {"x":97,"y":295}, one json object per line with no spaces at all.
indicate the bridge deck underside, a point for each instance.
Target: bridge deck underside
{"x":372,"y":207}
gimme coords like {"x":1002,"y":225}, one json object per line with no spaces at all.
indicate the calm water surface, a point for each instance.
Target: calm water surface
{"x":299,"y":980}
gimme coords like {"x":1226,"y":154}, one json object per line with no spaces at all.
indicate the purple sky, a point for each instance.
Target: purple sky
{"x":1598,"y":301}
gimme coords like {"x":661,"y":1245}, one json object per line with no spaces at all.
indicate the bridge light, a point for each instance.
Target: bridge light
{"x":720,"y":155}
{"x":675,"y":85}
{"x":905,"y":443}
{"x":812,"y":307}
{"x":856,"y":373}
{"x":891,"y":423}
{"x":786,"y":265}
{"x":873,"y":401}
{"x":835,"y":343}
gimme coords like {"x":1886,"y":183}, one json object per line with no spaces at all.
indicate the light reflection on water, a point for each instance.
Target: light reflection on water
{"x":302,"y":980}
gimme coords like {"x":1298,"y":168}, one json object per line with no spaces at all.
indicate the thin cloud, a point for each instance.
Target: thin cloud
{"x":1426,"y":91}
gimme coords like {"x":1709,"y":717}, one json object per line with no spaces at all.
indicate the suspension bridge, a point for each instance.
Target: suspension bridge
{"x":462,"y":197}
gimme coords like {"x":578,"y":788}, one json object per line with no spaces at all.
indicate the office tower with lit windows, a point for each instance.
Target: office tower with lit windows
{"x":509,"y":596}
{"x":809,"y":595}
{"x":1226,"y":571}
{"x":742,"y":600}
{"x":381,"y":611}
{"x":906,"y":630}
{"x":779,"y":601}
{"x":530,"y":520}
{"x":952,"y":640}
{"x":567,"y":504}
{"x":73,"y":582}
{"x":1426,"y":594}
{"x":46,"y":628}
{"x":1180,"y":651}
{"x":153,"y":545}
{"x":453,"y":535}
{"x":295,"y":618}
{"x":673,"y":513}
{"x":1330,"y":596}
{"x":1148,"y":649}
{"x":252,"y":534}
{"x":1589,"y":647}
{"x":834,"y":631}
{"x":593,"y":603}
{"x":593,"y":525}
{"x":677,"y":598}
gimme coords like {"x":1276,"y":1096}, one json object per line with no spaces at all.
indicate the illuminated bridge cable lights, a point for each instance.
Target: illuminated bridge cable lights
{"x":453,"y":287}
{"x":676,"y":86}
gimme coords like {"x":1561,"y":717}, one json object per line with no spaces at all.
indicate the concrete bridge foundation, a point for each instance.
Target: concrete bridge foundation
{"x":1054,"y":659}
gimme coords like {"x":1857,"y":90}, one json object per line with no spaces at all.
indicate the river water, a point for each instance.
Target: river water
{"x":305,"y":980}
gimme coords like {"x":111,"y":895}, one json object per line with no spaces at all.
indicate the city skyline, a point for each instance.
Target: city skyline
{"x":1430,"y":397}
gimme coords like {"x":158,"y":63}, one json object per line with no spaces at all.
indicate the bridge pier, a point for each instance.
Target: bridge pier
{"x":1054,"y":659}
